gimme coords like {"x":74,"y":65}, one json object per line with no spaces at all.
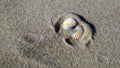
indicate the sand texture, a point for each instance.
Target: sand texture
{"x":27,"y":39}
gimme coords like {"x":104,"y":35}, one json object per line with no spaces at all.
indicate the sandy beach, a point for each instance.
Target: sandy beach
{"x":28,"y":41}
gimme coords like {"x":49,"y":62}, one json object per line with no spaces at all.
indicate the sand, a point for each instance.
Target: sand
{"x":28,"y":41}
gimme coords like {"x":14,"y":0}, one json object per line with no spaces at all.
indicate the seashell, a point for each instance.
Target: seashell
{"x":69,"y":23}
{"x":77,"y":33}
{"x":80,"y":31}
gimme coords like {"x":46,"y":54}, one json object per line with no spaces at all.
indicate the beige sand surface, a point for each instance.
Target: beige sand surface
{"x":27,"y":41}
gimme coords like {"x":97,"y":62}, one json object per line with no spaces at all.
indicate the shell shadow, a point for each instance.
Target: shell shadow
{"x":57,"y":27}
{"x":69,"y":41}
{"x":87,"y":22}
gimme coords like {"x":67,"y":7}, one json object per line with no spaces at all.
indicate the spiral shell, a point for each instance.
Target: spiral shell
{"x":77,"y":34}
{"x":69,"y":23}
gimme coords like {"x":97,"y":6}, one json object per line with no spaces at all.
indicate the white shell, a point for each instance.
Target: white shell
{"x":77,"y":33}
{"x":69,"y":23}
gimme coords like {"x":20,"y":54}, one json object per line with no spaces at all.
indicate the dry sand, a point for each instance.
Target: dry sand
{"x":27,"y":41}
